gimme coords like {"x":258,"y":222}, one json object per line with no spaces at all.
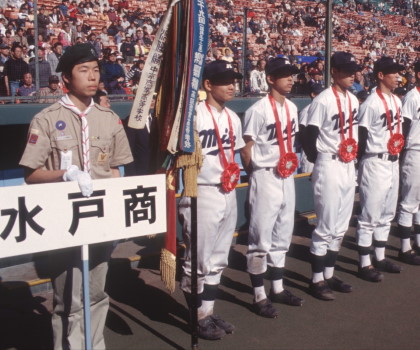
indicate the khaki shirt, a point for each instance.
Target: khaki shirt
{"x":56,"y":130}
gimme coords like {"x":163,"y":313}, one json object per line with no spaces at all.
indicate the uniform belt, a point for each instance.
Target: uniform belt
{"x":268,"y":168}
{"x":211,"y":185}
{"x":386,"y":156}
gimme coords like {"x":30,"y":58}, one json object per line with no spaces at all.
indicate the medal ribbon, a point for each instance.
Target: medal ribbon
{"x":341,"y":115}
{"x":66,"y":102}
{"x":225,"y":162}
{"x":388,"y":113}
{"x":278,"y":127}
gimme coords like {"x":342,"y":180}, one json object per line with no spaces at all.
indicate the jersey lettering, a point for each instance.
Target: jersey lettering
{"x":209,"y":140}
{"x":271,"y":128}
{"x":394,"y":119}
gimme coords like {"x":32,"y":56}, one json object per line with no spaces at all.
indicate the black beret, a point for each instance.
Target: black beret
{"x":76,"y":54}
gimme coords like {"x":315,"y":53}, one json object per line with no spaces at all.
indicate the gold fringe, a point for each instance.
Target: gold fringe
{"x":191,"y":165}
{"x":168,"y":269}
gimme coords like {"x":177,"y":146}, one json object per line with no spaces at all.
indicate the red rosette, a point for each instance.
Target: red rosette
{"x":395,"y":144}
{"x":287,"y":164}
{"x":348,"y":150}
{"x":230,"y":177}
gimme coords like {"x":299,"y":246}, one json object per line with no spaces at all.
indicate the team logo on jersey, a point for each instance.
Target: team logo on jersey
{"x":33,"y":139}
{"x":271,"y":128}
{"x":209,"y":140}
{"x":60,"y":125}
{"x":394,"y":120}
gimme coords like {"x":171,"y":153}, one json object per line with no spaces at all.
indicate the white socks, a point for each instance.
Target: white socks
{"x":328,"y":272}
{"x":365,"y":260}
{"x":259,"y":293}
{"x":380,"y":253}
{"x":317,"y":277}
{"x":405,"y":245}
{"x":277,"y":286}
{"x":205,"y":309}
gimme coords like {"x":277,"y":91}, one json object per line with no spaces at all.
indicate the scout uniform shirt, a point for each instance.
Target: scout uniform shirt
{"x":54,"y":141}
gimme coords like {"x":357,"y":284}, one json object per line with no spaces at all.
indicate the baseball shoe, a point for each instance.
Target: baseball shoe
{"x":369,"y":273}
{"x":321,"y":290}
{"x":338,"y":285}
{"x":207,"y":329}
{"x":286,"y":297}
{"x":409,"y":257}
{"x":386,"y":265}
{"x":226,"y":326}
{"x":264,"y":308}
{"x":416,"y":248}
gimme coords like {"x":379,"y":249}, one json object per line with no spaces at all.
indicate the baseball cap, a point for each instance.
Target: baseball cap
{"x":280,"y":66}
{"x":387,"y":65}
{"x":4,"y":46}
{"x":344,"y":61}
{"x":53,"y":79}
{"x":220,"y":70}
{"x":417,"y":66}
{"x":76,"y":54}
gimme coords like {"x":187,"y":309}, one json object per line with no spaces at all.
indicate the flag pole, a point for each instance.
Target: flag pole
{"x":194,"y":292}
{"x":86,"y":296}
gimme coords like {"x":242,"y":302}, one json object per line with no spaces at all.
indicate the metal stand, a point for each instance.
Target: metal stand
{"x":194,"y":294}
{"x":86,"y":296}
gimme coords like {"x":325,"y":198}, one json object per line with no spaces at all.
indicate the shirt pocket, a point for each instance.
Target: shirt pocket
{"x":64,"y":152}
{"x":100,"y":153}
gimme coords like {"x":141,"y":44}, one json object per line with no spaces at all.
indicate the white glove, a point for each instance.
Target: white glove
{"x":73,"y":173}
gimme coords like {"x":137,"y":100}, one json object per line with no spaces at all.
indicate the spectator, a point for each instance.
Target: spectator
{"x":64,"y":8}
{"x":300,"y":87}
{"x":112,"y":73}
{"x":112,"y":29}
{"x":78,"y":33}
{"x":65,"y":35}
{"x":316,"y":77}
{"x":43,"y":22}
{"x":128,"y":50}
{"x":96,"y":43}
{"x":4,"y":56}
{"x":113,"y":17}
{"x":133,"y":76}
{"x":102,"y":99}
{"x":20,"y":37}
{"x":44,"y":68}
{"x":52,"y":92}
{"x":55,"y":16}
{"x":358,"y":84}
{"x":54,"y":57}
{"x":28,"y":88}
{"x":104,"y":37}
{"x":258,"y":82}
{"x":14,"y":69}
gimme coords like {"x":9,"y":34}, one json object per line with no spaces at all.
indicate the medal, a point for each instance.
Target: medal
{"x":396,"y":140}
{"x":347,"y":151}
{"x":231,"y":171}
{"x":288,"y":162}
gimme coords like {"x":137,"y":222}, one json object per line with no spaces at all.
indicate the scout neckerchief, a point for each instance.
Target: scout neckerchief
{"x":288,"y":161}
{"x":67,"y":103}
{"x":230,"y":174}
{"x":347,"y":151}
{"x":396,"y":141}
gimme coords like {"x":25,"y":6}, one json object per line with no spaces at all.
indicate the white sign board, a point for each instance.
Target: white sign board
{"x":35,"y":218}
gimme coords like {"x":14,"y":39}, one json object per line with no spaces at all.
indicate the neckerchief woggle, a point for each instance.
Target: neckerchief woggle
{"x":231,"y":171}
{"x":288,"y":161}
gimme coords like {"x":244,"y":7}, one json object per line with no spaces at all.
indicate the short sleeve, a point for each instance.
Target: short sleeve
{"x":316,"y":112}
{"x":366,"y":115}
{"x":38,"y":145}
{"x":409,"y":108}
{"x":253,"y":122}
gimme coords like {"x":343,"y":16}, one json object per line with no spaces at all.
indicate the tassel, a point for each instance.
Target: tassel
{"x":168,"y":269}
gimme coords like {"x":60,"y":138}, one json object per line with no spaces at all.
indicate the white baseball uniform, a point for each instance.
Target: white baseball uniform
{"x":410,"y":169}
{"x":216,"y":209}
{"x":305,"y":165}
{"x":333,"y":179}
{"x":378,"y":176}
{"x":271,"y":198}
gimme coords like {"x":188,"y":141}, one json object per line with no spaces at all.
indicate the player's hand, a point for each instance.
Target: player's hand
{"x":73,"y":173}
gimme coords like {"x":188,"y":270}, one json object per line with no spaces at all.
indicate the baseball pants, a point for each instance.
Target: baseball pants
{"x":410,"y":189}
{"x":216,"y":221}
{"x":272,"y":209}
{"x":334,"y":187}
{"x":378,"y":188}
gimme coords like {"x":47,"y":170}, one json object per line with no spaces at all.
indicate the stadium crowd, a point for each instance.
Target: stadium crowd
{"x":122,"y":34}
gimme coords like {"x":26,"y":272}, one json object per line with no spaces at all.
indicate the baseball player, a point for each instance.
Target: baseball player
{"x":410,"y":170}
{"x":220,"y":132}
{"x":380,"y":144}
{"x":305,"y":165}
{"x":330,"y":141}
{"x":270,"y":126}
{"x":77,"y":140}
